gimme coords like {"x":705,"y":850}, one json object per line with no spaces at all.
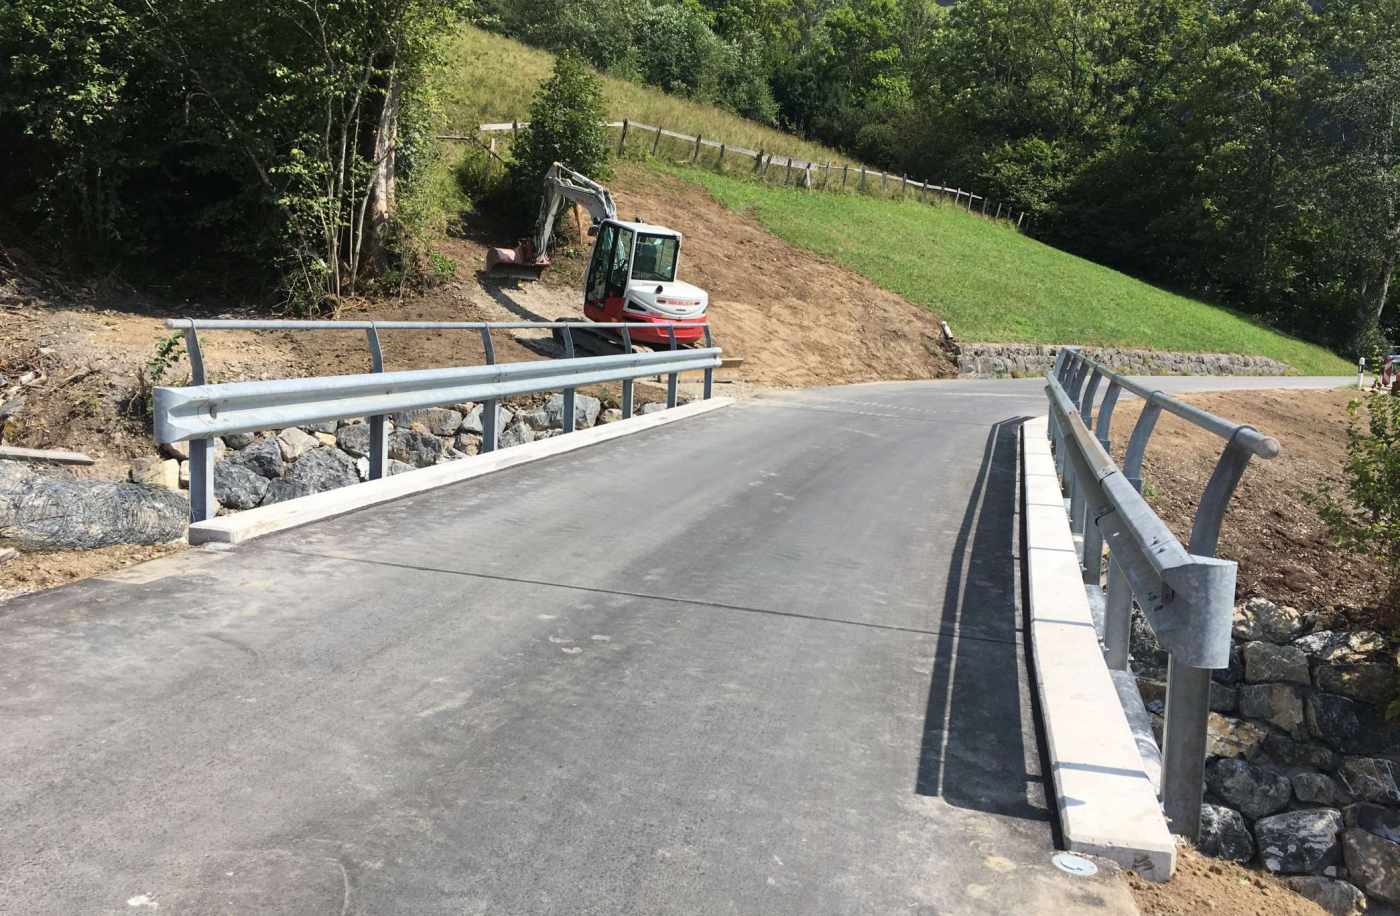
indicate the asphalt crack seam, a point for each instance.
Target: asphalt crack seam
{"x":670,"y":599}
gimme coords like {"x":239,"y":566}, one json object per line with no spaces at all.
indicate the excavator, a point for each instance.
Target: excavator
{"x":631,"y":273}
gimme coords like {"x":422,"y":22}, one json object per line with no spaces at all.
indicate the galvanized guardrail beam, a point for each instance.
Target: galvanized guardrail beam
{"x":201,"y":411}
{"x":1185,"y":592}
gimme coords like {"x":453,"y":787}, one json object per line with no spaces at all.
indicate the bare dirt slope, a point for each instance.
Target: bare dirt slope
{"x":1203,"y":885}
{"x":1277,"y":538}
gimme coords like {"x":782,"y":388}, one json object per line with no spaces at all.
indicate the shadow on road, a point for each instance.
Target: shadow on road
{"x":979,"y":748}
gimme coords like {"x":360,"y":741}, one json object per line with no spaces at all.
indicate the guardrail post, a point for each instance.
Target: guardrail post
{"x":627,"y":382}
{"x":709,"y":373}
{"x":203,"y":505}
{"x":569,"y":393}
{"x":674,"y":378}
{"x":378,"y":428}
{"x":490,"y":435}
{"x":1188,"y":689}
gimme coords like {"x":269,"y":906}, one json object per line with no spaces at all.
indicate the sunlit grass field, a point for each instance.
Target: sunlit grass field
{"x":990,"y":283}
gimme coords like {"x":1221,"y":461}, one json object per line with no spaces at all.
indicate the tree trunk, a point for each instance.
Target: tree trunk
{"x":382,"y":193}
{"x":1387,"y":272}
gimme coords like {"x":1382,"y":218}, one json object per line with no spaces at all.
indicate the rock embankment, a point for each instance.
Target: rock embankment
{"x":988,"y":360}
{"x":1302,"y":776}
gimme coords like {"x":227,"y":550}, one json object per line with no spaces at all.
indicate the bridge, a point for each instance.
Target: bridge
{"x":768,"y":659}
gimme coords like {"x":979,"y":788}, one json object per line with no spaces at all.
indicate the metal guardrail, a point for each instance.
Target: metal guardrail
{"x":1186,"y":592}
{"x":201,"y":411}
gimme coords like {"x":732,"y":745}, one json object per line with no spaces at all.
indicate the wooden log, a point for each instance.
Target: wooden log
{"x":53,"y":456}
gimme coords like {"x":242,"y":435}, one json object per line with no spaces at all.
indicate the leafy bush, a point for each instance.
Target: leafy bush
{"x":566,"y":125}
{"x":1365,"y":516}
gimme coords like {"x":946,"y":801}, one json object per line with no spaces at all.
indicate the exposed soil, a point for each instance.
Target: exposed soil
{"x":1202,"y":885}
{"x":1281,"y":545}
{"x":32,"y":572}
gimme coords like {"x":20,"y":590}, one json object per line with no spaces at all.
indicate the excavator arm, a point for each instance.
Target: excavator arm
{"x":561,"y":184}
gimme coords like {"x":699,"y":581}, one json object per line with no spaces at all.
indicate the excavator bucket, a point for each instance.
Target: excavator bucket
{"x":515,"y":262}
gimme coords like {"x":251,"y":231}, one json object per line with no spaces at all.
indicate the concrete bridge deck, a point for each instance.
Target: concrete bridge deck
{"x":768,"y":660}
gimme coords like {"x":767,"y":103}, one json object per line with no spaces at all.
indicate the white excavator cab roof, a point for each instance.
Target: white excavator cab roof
{"x":646,"y":228}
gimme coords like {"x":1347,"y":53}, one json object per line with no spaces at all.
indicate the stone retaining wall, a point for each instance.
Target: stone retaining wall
{"x":981,"y":360}
{"x":1302,"y":776}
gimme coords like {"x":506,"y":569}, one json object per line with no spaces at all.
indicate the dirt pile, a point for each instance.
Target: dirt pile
{"x":1280,"y":543}
{"x":1203,"y":885}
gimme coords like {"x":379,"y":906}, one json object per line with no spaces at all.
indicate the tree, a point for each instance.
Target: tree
{"x":566,"y":125}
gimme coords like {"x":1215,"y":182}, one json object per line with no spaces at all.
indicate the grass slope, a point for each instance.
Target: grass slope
{"x":486,"y":78}
{"x":992,"y":284}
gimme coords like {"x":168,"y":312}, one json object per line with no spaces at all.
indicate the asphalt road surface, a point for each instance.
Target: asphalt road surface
{"x":767,"y":660}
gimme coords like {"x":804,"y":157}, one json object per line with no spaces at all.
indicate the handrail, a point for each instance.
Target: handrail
{"x":1185,"y":591}
{"x":201,"y":411}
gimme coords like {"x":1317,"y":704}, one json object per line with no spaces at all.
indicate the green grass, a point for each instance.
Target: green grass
{"x":992,"y":284}
{"x":485,"y":78}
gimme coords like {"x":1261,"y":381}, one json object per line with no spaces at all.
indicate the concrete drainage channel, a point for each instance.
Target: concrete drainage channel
{"x":199,"y":414}
{"x":1107,"y":769}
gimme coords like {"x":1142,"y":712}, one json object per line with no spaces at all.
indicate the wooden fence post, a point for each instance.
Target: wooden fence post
{"x":860,"y":185}
{"x":1019,"y":218}
{"x":903,"y":185}
{"x":845,"y":172}
{"x":984,"y":205}
{"x":787,"y":172}
{"x":622,"y":139}
{"x":695,"y":156}
{"x":882,"y":182}
{"x":826,"y":176}
{"x":720,"y":164}
{"x":656,"y":142}
{"x":758,"y":162}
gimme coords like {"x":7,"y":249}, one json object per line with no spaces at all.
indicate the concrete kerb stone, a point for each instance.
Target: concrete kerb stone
{"x":242,"y":526}
{"x":1104,"y":795}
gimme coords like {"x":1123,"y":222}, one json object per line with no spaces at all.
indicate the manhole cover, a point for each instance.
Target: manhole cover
{"x":1075,"y":865}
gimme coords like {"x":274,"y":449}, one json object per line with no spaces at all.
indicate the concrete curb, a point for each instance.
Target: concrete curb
{"x":242,"y":526}
{"x":1106,"y":802}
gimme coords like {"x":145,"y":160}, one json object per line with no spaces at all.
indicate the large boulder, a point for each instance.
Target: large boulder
{"x":295,"y":443}
{"x":1336,"y":897}
{"x":238,"y":487}
{"x":353,"y":439}
{"x":1319,"y":789}
{"x":517,"y":433}
{"x":1370,"y":682}
{"x":1226,"y":737}
{"x":1278,"y":704}
{"x":1344,"y":648}
{"x":1265,"y":662}
{"x":1292,"y":753}
{"x":1371,"y":779}
{"x":320,"y":469}
{"x":262,"y":457}
{"x":440,"y":421}
{"x":586,"y":410}
{"x":413,"y":447}
{"x":1299,"y":842}
{"x":472,"y":422}
{"x":1373,"y":864}
{"x":158,"y":472}
{"x":537,"y":419}
{"x":1383,"y":822}
{"x":1224,"y":834}
{"x":44,"y":512}
{"x":1263,"y":619}
{"x":1252,"y":790}
{"x":1332,"y":719}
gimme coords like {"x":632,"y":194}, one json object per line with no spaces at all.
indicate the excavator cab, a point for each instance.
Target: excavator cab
{"x":632,"y":277}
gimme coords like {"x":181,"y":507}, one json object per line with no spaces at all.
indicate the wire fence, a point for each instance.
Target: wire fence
{"x":772,"y":168}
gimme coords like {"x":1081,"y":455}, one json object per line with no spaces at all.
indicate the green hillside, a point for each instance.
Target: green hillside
{"x":991,"y":283}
